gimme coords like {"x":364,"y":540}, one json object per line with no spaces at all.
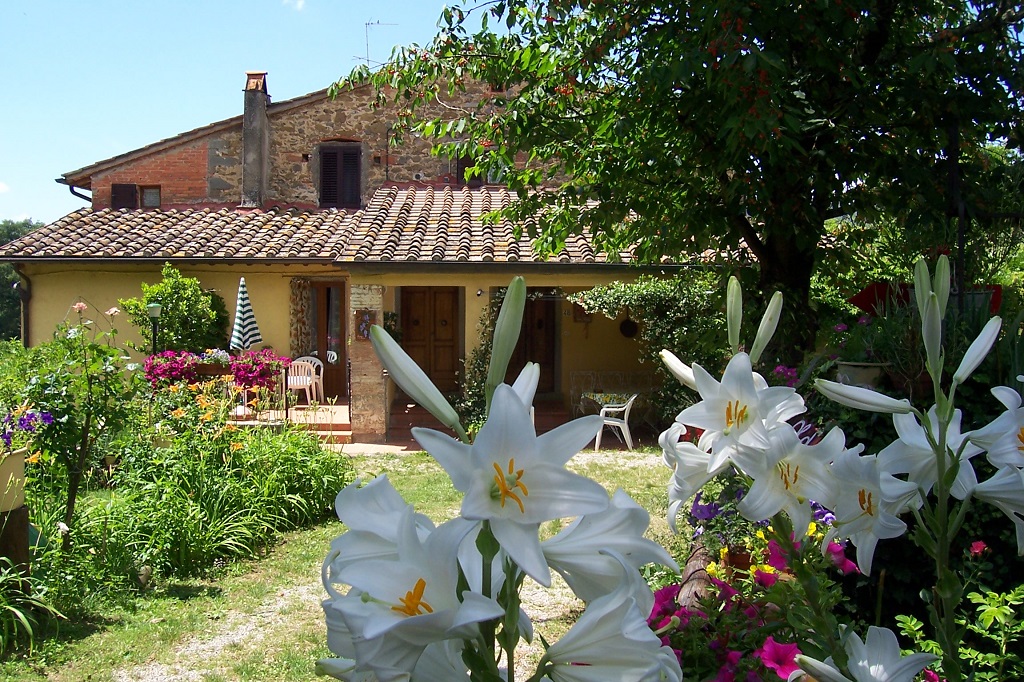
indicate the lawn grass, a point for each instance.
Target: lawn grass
{"x":262,"y":620}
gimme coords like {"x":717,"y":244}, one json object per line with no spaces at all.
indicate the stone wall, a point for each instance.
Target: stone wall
{"x":369,"y":404}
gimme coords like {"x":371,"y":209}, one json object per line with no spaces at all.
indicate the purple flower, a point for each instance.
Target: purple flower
{"x":704,"y":512}
{"x":841,"y":327}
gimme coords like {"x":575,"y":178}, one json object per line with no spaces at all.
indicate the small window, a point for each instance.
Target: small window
{"x":341,"y":176}
{"x":124,"y":196}
{"x":465,"y":163}
{"x":150,"y":197}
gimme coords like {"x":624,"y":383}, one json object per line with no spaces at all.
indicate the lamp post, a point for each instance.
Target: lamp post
{"x":153,"y":310}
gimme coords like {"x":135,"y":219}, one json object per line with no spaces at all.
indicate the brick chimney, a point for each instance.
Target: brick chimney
{"x":255,"y":140}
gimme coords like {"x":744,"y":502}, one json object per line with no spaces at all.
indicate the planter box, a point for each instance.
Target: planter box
{"x":12,"y":480}
{"x":210,"y":369}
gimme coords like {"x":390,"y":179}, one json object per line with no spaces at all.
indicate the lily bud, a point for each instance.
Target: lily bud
{"x":412,"y":379}
{"x":931,"y":333}
{"x":506,"y":335}
{"x":679,"y":369}
{"x":769,"y":322}
{"x":978,"y":350}
{"x":862,"y":398}
{"x":940,"y":284}
{"x":922,"y":284}
{"x":734,"y":313}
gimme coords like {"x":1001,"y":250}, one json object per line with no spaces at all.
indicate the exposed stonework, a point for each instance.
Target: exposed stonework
{"x":369,"y":403}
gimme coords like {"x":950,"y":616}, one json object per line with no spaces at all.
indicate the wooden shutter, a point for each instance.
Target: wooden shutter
{"x":124,"y":196}
{"x":340,"y":177}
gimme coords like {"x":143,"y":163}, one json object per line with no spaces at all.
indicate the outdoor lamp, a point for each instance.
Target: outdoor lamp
{"x":153,"y":310}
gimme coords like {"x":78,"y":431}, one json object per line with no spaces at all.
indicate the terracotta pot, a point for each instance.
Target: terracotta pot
{"x":12,"y":480}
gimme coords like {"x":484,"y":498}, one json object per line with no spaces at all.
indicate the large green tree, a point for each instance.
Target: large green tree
{"x":10,"y":301}
{"x":685,"y":126}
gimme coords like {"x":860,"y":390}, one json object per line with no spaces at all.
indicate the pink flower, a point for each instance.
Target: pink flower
{"x":779,"y":657}
{"x":727,"y":673}
{"x":725,"y":591}
{"x":838,"y":558}
{"x":777,"y":557}
{"x":931,"y":676}
{"x":113,"y":311}
{"x":978,"y":547}
{"x":765,"y":579}
{"x":841,"y":327}
{"x":80,"y":307}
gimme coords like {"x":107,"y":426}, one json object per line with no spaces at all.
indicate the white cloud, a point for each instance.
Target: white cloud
{"x":4,"y":187}
{"x":297,"y":4}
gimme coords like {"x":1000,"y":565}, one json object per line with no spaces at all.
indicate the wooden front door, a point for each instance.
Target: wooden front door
{"x":536,"y":341}
{"x":430,"y":332}
{"x":329,"y":335}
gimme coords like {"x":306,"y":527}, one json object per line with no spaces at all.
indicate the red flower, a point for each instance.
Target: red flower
{"x":978,"y":547}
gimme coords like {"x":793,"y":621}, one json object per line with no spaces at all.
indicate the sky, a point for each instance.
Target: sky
{"x":84,"y":80}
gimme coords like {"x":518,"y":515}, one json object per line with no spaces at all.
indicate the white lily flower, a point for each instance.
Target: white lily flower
{"x":341,"y":669}
{"x":868,"y":504}
{"x":372,"y":513}
{"x":412,"y":379}
{"x":441,"y":662}
{"x":912,"y":454}
{"x":407,"y":604}
{"x":575,"y":552}
{"x":679,"y":369}
{"x":861,"y":398}
{"x":1003,"y":437}
{"x":876,"y":660}
{"x":739,"y":410}
{"x":515,"y":479}
{"x":978,"y":350}
{"x":1005,"y":490}
{"x":788,"y":475}
{"x":690,"y":469}
{"x":612,"y":641}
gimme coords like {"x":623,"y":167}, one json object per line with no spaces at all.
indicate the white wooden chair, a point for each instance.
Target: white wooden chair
{"x":307,"y":374}
{"x":609,"y":412}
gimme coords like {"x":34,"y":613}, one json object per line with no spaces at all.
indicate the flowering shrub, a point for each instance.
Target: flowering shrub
{"x":852,"y":341}
{"x":258,"y":369}
{"x":170,"y":366}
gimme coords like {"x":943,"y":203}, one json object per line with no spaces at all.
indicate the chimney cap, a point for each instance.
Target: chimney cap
{"x":256,"y":80}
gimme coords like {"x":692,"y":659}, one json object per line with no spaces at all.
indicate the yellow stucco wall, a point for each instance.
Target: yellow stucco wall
{"x":55,"y":288}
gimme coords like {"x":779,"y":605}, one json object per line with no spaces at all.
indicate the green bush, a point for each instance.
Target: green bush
{"x":684,"y":314}
{"x":190,"y":319}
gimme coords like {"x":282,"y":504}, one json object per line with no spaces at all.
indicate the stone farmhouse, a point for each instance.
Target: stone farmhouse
{"x":333,"y":228}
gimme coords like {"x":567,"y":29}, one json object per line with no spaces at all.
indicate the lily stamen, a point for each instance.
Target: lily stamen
{"x":507,"y":484}
{"x":734,"y":414}
{"x":866,"y":501}
{"x":412,"y":602}
{"x":789,"y":474}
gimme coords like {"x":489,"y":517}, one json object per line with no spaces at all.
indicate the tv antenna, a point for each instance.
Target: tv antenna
{"x":367,"y":26}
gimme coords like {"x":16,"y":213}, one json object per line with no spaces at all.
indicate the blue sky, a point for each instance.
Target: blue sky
{"x":84,"y":80}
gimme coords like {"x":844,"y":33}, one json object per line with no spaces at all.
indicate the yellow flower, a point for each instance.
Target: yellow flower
{"x":723,"y":554}
{"x":174,"y":388}
{"x":236,"y":446}
{"x":33,"y":458}
{"x":712,"y":569}
{"x":194,"y":387}
{"x":760,"y":535}
{"x":203,"y":401}
{"x":765,"y":568}
{"x":178,"y":413}
{"x":206,"y":416}
{"x":230,"y":427}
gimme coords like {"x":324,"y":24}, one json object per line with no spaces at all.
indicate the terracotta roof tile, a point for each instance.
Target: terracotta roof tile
{"x":195,"y":234}
{"x":427,"y":223}
{"x":400,"y":224}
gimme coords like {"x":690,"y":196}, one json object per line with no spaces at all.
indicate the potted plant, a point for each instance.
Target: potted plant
{"x":19,"y":427}
{"x":853,"y":346}
{"x":214,"y":362}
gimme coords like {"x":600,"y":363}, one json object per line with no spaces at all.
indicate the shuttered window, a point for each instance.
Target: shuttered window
{"x":340,"y":177}
{"x":124,"y":196}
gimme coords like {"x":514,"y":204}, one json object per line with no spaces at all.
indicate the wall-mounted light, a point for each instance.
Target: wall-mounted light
{"x":479,"y":292}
